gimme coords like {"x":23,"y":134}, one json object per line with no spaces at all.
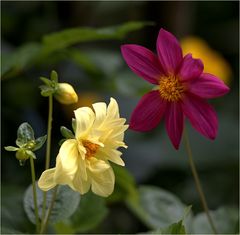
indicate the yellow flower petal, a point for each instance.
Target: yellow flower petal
{"x":97,"y":166}
{"x":100,"y":112}
{"x":46,"y":181}
{"x":84,"y":121}
{"x":103,"y":184}
{"x":79,"y":184}
{"x":112,"y":155}
{"x":68,"y":155}
{"x":112,"y":109}
{"x":63,"y":176}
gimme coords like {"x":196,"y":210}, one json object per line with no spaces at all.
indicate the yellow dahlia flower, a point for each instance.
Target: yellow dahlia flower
{"x":83,"y":162}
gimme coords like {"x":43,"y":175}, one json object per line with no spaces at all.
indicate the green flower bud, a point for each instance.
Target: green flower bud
{"x":22,"y":155}
{"x":65,"y":94}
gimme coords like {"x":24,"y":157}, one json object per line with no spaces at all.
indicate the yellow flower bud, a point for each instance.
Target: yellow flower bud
{"x":65,"y":94}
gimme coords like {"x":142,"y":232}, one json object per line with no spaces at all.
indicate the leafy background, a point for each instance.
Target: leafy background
{"x":38,"y":37}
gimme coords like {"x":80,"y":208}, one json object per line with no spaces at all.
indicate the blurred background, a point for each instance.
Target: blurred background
{"x":210,"y":30}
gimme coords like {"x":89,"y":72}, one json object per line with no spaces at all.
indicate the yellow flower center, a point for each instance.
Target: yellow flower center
{"x":170,"y":88}
{"x":90,"y":147}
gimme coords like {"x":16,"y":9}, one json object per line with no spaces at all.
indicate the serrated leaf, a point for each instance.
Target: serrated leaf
{"x":25,"y":134}
{"x":11,"y":148}
{"x":161,"y":207}
{"x":65,"y":204}
{"x":68,"y":37}
{"x":225,"y":220}
{"x":66,"y":133}
{"x":91,"y":212}
{"x":39,"y":142}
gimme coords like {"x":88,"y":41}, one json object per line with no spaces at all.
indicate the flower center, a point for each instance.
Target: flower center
{"x":170,"y":88}
{"x":90,"y":147}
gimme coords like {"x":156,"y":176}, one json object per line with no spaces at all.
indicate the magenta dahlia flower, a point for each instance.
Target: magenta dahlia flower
{"x":182,"y":89}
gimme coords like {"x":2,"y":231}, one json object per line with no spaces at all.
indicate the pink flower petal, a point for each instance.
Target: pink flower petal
{"x":208,"y":86}
{"x":169,"y":51}
{"x":201,"y":115}
{"x":190,"y":68}
{"x":174,"y":123}
{"x":148,"y":112}
{"x":142,"y":62}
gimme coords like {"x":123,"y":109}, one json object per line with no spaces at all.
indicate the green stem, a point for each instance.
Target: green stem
{"x":48,"y":150}
{"x":34,"y":193}
{"x":197,"y":181}
{"x":45,"y":222}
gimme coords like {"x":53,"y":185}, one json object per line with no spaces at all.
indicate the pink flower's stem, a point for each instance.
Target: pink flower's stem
{"x":197,"y":181}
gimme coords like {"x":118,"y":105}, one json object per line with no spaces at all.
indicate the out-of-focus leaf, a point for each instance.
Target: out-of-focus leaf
{"x":25,"y":134}
{"x":91,"y":212}
{"x":5,"y":230}
{"x":21,"y":58}
{"x":13,"y":218}
{"x":125,"y":186}
{"x":68,"y":37}
{"x":225,"y":219}
{"x":83,"y":59}
{"x":64,"y":228}
{"x":65,"y":204}
{"x":176,"y":228}
{"x":39,"y":142}
{"x":161,"y":207}
{"x":33,"y":53}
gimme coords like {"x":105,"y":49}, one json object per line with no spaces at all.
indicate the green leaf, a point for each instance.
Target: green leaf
{"x":161,"y":207}
{"x":39,"y":142}
{"x":68,"y":37}
{"x":31,"y":154}
{"x":54,"y":76}
{"x":21,"y":58}
{"x":225,"y":220}
{"x":64,"y":228}
{"x":74,"y":124}
{"x":66,"y":133}
{"x":25,"y":134}
{"x":6,"y":230}
{"x":176,"y":228}
{"x":46,"y":81}
{"x":46,"y":90}
{"x":83,"y":59}
{"x":125,"y":186}
{"x":90,"y":213}
{"x":13,"y":217}
{"x":65,"y":204}
{"x":11,"y":148}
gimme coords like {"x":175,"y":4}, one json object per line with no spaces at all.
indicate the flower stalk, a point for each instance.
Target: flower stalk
{"x":48,"y":150}
{"x":197,"y":181}
{"x":45,"y":222}
{"x":34,"y":194}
